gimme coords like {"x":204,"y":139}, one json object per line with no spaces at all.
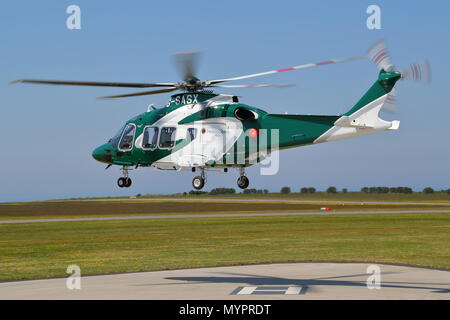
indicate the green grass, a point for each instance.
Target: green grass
{"x":41,"y":250}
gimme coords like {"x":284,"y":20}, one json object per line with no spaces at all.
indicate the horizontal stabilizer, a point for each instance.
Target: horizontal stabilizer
{"x":346,"y":121}
{"x":395,"y":125}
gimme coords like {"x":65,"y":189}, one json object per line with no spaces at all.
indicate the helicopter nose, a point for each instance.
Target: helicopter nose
{"x":102,"y":153}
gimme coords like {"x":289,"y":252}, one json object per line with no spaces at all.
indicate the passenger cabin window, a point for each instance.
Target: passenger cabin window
{"x":167,"y":137}
{"x":150,"y":138}
{"x":192,"y":133}
{"x":126,"y":143}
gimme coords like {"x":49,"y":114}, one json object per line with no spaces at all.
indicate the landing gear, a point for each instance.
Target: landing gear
{"x":199,"y":181}
{"x":242,"y":181}
{"x":125,"y":181}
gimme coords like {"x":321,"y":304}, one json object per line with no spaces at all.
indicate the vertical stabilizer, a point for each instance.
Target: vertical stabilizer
{"x":363,"y":118}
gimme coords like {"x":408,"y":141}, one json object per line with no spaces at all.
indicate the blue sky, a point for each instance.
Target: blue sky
{"x":48,"y":133}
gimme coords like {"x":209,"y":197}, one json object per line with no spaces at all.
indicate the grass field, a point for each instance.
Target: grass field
{"x":45,"y":249}
{"x":41,"y":250}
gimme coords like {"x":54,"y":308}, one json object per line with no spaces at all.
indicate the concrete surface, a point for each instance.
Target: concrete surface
{"x":220,"y":215}
{"x":265,"y":281}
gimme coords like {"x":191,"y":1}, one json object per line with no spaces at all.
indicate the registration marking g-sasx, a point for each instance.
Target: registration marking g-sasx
{"x":186,"y":99}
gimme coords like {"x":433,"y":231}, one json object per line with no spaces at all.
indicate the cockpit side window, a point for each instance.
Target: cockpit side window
{"x":150,"y":138}
{"x":126,"y":143}
{"x":167,"y":138}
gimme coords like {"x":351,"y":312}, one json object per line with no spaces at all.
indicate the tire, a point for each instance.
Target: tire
{"x":243,"y":182}
{"x":198,"y":182}
{"x":121,"y":182}
{"x":128,"y":182}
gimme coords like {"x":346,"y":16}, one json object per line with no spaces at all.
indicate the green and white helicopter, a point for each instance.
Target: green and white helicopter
{"x":200,"y":130}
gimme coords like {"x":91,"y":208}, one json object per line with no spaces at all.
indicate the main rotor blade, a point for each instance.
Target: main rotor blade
{"x":304,"y":66}
{"x":95,"y":83}
{"x":187,"y":63}
{"x":139,"y":93}
{"x":253,"y":85}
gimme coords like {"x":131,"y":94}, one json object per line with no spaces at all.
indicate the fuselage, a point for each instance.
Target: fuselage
{"x":203,"y":129}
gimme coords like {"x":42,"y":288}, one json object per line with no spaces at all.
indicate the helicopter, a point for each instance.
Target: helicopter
{"x":201,"y":130}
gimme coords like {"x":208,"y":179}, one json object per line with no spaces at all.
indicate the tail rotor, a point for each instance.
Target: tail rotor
{"x":379,"y":55}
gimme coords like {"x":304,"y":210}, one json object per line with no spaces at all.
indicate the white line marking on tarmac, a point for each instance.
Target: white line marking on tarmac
{"x":247,"y":290}
{"x":268,"y":290}
{"x":293,"y":290}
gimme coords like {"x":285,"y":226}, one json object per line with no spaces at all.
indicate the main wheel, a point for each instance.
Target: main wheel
{"x":127,"y":182}
{"x":243,"y":182}
{"x":121,"y":182}
{"x":198,"y":182}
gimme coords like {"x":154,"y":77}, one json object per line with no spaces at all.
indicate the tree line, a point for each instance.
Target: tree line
{"x":311,"y":190}
{"x":405,"y":190}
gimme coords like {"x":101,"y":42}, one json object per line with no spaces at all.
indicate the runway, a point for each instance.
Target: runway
{"x":219,"y":215}
{"x":266,"y":281}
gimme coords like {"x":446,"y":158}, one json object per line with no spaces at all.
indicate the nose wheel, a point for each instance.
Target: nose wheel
{"x":243,"y":182}
{"x":125,"y":181}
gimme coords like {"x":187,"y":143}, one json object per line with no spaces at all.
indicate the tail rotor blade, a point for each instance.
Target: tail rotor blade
{"x":379,"y":55}
{"x":418,"y":71}
{"x":390,"y":104}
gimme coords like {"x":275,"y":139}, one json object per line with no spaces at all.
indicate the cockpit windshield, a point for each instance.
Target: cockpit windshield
{"x":118,"y":133}
{"x":115,"y":139}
